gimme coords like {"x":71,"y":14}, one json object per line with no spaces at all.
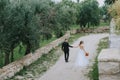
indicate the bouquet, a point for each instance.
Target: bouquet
{"x":86,"y":54}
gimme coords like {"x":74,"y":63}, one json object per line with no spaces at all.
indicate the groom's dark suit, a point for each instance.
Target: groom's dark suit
{"x":65,"y":48}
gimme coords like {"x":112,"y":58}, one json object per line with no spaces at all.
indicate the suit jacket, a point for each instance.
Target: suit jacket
{"x":65,"y":46}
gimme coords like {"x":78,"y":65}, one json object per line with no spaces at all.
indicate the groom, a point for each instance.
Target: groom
{"x":65,"y":48}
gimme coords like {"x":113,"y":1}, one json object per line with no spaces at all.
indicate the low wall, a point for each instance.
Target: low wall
{"x":104,"y":29}
{"x":12,"y":68}
{"x":109,"y":64}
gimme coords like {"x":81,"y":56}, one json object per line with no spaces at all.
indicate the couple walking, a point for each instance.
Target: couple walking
{"x":81,"y":59}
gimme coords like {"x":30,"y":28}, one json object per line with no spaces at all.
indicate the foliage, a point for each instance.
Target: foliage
{"x":114,"y":10}
{"x":65,"y":15}
{"x":104,"y":13}
{"x":6,"y":43}
{"x":88,"y":13}
{"x":109,"y":2}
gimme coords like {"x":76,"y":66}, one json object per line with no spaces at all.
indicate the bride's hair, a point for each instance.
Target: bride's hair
{"x":81,"y":42}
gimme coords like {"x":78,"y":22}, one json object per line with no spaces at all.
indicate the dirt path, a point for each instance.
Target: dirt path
{"x":68,"y":71}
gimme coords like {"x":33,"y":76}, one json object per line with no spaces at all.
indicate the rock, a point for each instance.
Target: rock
{"x":108,"y":67}
{"x":29,"y":75}
{"x":73,"y":31}
{"x":19,"y":77}
{"x":29,"y":79}
{"x":109,"y":55}
{"x":109,"y":77}
{"x":109,"y":64}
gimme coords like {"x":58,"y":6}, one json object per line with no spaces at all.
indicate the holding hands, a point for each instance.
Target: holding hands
{"x":82,"y":48}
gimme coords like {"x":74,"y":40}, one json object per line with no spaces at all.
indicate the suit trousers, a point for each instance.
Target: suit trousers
{"x":66,"y":53}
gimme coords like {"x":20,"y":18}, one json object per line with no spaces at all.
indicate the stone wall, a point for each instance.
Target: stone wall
{"x":109,"y":64}
{"x":12,"y":68}
{"x":104,"y":29}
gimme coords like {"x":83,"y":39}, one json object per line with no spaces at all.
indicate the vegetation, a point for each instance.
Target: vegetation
{"x":114,"y":10}
{"x":94,"y":74}
{"x":26,"y":25}
{"x":104,"y":15}
{"x":109,"y":2}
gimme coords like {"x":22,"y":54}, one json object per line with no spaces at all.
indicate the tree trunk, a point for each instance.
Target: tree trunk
{"x":84,"y":28}
{"x":81,"y":27}
{"x":7,"y":58}
{"x":88,"y":25}
{"x":27,"y":49}
{"x":78,"y":1}
{"x":12,"y":56}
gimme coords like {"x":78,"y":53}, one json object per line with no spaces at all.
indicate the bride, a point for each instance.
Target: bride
{"x":81,"y":59}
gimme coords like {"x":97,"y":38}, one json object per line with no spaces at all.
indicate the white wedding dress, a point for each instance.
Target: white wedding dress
{"x":81,"y":59}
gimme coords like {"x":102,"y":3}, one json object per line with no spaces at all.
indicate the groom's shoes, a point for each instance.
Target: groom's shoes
{"x":66,"y":60}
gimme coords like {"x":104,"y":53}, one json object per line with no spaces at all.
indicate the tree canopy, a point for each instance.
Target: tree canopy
{"x":114,"y":10}
{"x":109,"y":2}
{"x":88,"y":13}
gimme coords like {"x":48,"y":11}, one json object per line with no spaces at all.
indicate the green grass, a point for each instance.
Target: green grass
{"x":19,"y":52}
{"x":104,"y":24}
{"x":44,"y":42}
{"x":74,"y":27}
{"x":117,"y":32}
{"x":94,"y":73}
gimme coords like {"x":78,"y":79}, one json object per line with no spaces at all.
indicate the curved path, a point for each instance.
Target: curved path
{"x":68,"y":71}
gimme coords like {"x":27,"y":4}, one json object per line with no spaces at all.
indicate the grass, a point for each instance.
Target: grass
{"x":44,"y":42}
{"x":74,"y":27}
{"x":117,"y":32}
{"x":104,"y":24}
{"x":94,"y":73}
{"x":19,"y":52}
